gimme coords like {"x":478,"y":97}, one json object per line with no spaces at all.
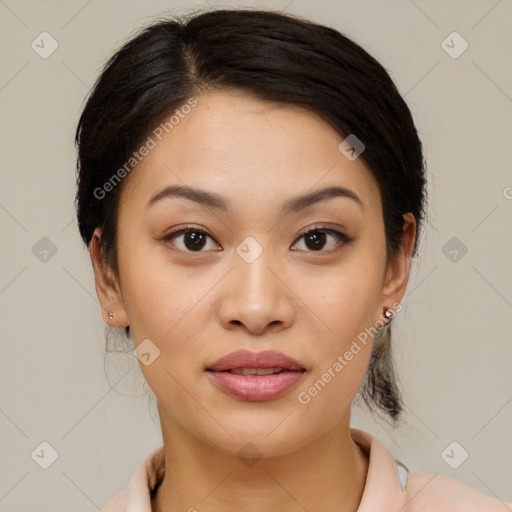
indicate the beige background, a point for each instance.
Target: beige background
{"x":453,"y":339}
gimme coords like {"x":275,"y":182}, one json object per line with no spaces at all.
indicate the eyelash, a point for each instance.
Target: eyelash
{"x":343,"y":239}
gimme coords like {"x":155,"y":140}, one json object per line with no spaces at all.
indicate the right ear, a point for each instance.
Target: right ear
{"x":107,"y":288}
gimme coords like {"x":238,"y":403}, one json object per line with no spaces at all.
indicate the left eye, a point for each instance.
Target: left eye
{"x":315,"y":239}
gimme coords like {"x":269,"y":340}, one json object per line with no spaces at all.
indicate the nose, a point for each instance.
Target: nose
{"x":255,"y":298}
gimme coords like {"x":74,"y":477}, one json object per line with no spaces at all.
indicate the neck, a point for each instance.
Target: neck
{"x":327,"y":474}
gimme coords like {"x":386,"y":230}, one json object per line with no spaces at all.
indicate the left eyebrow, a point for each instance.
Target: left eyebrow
{"x":303,"y":201}
{"x":219,"y":202}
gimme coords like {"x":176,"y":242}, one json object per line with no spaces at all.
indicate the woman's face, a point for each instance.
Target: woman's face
{"x":246,"y":277}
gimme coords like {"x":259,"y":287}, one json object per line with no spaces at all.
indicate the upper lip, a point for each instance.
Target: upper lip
{"x":248,"y":359}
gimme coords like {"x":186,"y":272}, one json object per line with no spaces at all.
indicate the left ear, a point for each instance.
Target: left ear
{"x":397,"y":274}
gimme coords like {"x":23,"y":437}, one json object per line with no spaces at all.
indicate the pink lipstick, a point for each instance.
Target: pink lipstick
{"x":256,"y":376}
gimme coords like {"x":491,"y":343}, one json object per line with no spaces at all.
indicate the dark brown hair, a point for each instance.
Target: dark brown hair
{"x":275,"y":57}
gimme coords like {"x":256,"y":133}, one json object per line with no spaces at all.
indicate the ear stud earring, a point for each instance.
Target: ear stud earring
{"x":389,"y":314}
{"x":111,"y":315}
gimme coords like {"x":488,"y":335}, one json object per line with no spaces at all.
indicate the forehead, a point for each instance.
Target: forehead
{"x":241,"y":146}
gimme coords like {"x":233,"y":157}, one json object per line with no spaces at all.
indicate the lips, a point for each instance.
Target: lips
{"x":256,"y":376}
{"x":256,"y":360}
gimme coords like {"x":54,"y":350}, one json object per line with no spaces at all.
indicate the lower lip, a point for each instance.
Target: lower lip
{"x":256,"y":388}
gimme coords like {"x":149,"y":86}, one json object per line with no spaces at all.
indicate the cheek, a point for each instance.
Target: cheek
{"x":159,"y":297}
{"x":166,"y":305}
{"x":345,"y":302}
{"x":347,"y":308}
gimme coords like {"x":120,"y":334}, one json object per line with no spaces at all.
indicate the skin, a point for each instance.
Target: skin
{"x":199,"y":306}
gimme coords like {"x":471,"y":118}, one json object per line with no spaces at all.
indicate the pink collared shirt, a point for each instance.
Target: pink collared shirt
{"x":389,"y":486}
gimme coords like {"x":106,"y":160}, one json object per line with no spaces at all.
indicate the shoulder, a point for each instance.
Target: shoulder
{"x":391,"y":486}
{"x":137,"y":495}
{"x":431,"y":492}
{"x":116,"y":504}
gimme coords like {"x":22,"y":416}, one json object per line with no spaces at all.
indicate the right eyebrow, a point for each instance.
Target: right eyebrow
{"x":199,"y":196}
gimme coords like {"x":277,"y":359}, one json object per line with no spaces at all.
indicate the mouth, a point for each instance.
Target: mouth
{"x":257,"y":371}
{"x":256,"y":376}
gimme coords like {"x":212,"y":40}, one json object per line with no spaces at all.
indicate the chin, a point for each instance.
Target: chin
{"x":271,"y":432}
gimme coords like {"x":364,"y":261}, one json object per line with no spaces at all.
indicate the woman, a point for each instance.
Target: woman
{"x":252,"y":187}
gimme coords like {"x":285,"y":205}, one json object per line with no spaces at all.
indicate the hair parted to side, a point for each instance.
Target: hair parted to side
{"x":274,"y":57}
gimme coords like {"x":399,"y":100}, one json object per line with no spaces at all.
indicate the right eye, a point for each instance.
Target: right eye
{"x":193,"y":239}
